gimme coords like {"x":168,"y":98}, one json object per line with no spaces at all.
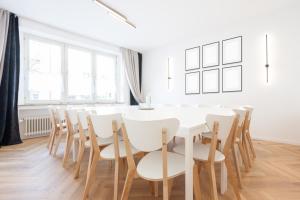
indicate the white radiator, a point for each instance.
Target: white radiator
{"x":35,"y":126}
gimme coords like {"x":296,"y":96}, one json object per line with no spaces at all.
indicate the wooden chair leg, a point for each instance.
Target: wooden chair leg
{"x":110,"y":164}
{"x":165,"y":189}
{"x":90,"y":175}
{"x":151,"y":186}
{"x":79,"y":159}
{"x":116,"y":181}
{"x":196,"y":180}
{"x":49,"y":139}
{"x":170,"y":186}
{"x":246,"y":148}
{"x":237,"y":166}
{"x":128,"y":184}
{"x":156,"y":189}
{"x":232,"y":178}
{"x":52,"y":142}
{"x":244,"y":156}
{"x":57,"y":143}
{"x":213,"y":184}
{"x":251,"y":144}
{"x":69,"y":141}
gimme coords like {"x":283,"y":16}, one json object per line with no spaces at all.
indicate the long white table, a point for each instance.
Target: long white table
{"x":192,"y":123}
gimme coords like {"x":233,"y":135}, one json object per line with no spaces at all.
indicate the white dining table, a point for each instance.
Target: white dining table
{"x":192,"y":123}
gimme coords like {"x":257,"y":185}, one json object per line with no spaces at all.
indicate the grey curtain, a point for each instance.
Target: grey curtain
{"x":4,"y":19}
{"x":9,"y":86}
{"x":133,"y":73}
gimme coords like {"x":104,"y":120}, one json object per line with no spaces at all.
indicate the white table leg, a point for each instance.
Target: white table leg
{"x":75,"y":149}
{"x":223,"y":178}
{"x":189,"y":168}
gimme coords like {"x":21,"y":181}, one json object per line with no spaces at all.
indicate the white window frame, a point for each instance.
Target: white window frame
{"x":64,"y":71}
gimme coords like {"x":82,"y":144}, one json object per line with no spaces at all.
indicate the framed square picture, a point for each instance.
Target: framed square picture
{"x":210,"y":81}
{"x":211,"y":55}
{"x":232,"y":50}
{"x":192,"y":83}
{"x":192,"y":58}
{"x":232,"y":79}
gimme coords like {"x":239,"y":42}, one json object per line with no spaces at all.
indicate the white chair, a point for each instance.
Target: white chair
{"x":105,"y":127}
{"x":157,"y":165}
{"x":84,"y":142}
{"x":61,"y":123}
{"x":55,"y":128}
{"x":205,"y":154}
{"x":72,"y":133}
{"x":238,"y":143}
{"x":248,"y":140}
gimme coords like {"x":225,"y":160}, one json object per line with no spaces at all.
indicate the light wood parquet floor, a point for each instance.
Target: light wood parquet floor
{"x":27,"y":172}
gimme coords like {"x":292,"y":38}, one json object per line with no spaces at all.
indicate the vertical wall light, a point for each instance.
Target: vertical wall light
{"x":170,"y":74}
{"x":267,"y":59}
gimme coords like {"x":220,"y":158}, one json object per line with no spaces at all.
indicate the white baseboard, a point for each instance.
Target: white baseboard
{"x":277,"y":140}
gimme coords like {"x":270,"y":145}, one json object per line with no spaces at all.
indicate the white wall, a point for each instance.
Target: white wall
{"x":277,"y":104}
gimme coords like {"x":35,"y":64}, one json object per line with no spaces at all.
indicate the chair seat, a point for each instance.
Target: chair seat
{"x":100,"y":141}
{"x":109,"y":151}
{"x":206,"y":134}
{"x":150,"y":166}
{"x":200,"y":152}
{"x":77,"y":135}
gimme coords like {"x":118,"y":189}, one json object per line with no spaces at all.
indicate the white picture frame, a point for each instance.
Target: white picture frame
{"x":192,"y":83}
{"x":192,"y":58}
{"x":211,"y":55}
{"x":232,"y":79}
{"x":232,"y":50}
{"x":211,"y":81}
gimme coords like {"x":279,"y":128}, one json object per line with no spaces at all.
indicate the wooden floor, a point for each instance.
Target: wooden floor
{"x":27,"y":172}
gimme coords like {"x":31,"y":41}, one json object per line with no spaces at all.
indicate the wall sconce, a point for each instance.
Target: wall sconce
{"x":267,"y":59}
{"x":170,"y":73}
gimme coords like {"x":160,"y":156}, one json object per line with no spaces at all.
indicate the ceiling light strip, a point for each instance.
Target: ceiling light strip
{"x":114,"y":13}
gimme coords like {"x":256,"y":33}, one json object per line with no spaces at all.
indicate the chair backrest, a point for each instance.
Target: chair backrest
{"x":250,"y":109}
{"x":52,"y":118}
{"x":228,"y":146}
{"x":248,"y":120}
{"x":225,"y":123}
{"x":60,"y":114}
{"x":72,"y":115}
{"x":82,"y":119}
{"x":243,"y":115}
{"x":102,"y":124}
{"x":147,"y":135}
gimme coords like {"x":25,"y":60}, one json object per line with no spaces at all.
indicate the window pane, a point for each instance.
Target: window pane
{"x":79,"y":74}
{"x":44,"y":75}
{"x":106,"y":77}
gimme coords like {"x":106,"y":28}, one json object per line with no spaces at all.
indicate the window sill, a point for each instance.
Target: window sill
{"x":46,"y":105}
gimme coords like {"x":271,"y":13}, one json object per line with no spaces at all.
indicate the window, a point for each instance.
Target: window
{"x":79,"y":74}
{"x":44,"y":71}
{"x":58,"y":72}
{"x":105,"y":77}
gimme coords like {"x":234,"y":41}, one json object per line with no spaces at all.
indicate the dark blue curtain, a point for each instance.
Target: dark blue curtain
{"x":132,"y":99}
{"x":9,"y":86}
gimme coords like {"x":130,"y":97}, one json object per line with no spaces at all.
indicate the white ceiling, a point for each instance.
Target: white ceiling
{"x":158,"y":21}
